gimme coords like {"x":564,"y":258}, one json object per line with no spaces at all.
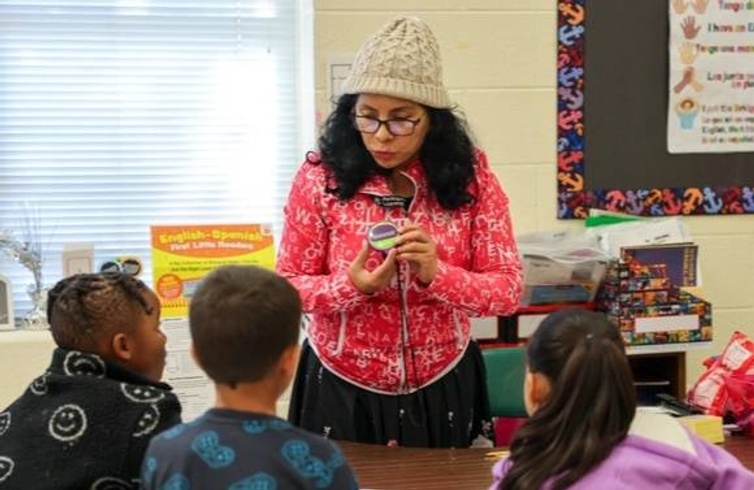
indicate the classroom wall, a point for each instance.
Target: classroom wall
{"x":499,"y":65}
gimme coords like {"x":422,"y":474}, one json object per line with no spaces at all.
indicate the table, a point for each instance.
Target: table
{"x":742,"y":448}
{"x":382,"y":467}
{"x":399,"y":468}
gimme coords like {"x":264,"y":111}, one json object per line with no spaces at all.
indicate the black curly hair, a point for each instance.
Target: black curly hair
{"x":84,"y":309}
{"x":447,"y":154}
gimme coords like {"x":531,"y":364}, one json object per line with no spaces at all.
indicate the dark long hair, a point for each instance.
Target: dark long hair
{"x":447,"y":154}
{"x":589,"y":409}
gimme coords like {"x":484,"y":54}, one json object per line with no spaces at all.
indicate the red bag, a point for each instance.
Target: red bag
{"x":726,"y":385}
{"x":741,"y":400}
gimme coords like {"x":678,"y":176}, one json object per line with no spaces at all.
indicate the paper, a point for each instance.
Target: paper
{"x":193,"y":388}
{"x":484,"y":327}
{"x":338,"y":68}
{"x":669,"y":323}
{"x":7,"y":320}
{"x":528,"y":324}
{"x":78,"y":258}
{"x":183,"y":255}
{"x":601,"y":217}
{"x":644,"y":232}
{"x":711,"y":76}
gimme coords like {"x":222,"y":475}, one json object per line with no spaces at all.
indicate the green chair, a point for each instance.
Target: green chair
{"x":506,"y":369}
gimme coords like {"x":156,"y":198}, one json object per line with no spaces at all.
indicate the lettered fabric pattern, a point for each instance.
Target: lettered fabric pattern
{"x":358,"y":336}
{"x":87,"y":421}
{"x":232,"y":450}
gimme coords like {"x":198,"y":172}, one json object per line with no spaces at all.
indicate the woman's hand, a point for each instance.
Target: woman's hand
{"x":370,"y":282}
{"x":415,"y":246}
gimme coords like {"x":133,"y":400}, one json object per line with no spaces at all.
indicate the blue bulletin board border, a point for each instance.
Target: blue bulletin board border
{"x":574,"y":200}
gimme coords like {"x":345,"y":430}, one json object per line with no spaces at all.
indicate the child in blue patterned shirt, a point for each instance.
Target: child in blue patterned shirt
{"x":244,"y":325}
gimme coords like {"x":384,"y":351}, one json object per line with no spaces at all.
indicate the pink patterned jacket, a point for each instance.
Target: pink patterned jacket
{"x":376,"y":341}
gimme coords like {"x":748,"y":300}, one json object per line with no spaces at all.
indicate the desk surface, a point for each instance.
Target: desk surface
{"x":390,"y":468}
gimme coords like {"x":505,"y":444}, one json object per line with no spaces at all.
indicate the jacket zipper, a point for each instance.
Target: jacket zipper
{"x":403,"y":283}
{"x":404,"y":386}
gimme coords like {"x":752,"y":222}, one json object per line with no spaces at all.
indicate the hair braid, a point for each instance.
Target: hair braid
{"x":83,"y":308}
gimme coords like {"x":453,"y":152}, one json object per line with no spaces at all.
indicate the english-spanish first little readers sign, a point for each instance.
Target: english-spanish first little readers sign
{"x":183,"y":254}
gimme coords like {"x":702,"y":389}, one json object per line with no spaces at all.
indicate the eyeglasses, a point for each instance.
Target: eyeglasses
{"x":399,"y":126}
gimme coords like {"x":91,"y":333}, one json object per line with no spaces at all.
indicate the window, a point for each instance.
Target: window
{"x":119,"y":114}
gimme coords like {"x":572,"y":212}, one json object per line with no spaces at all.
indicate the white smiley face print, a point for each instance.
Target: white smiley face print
{"x":4,"y":422}
{"x":148,"y":421}
{"x":81,"y":364}
{"x":111,"y":483}
{"x":141,"y":394}
{"x":68,"y":423}
{"x":39,"y":385}
{"x":6,"y":468}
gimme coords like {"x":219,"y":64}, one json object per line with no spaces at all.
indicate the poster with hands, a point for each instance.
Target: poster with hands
{"x":711,"y":76}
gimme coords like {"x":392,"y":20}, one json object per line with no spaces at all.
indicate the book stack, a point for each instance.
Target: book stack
{"x":648,"y":305}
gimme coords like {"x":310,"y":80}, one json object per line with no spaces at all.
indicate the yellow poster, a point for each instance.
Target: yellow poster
{"x":183,"y":255}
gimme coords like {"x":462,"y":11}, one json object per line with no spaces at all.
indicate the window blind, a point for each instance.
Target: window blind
{"x":119,"y":114}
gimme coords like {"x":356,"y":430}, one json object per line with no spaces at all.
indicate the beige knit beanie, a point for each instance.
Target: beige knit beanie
{"x":402,"y":60}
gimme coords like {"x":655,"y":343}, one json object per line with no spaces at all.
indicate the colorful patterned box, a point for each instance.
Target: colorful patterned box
{"x":649,"y":309}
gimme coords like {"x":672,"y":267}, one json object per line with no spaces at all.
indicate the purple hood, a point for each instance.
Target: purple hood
{"x":642,"y":461}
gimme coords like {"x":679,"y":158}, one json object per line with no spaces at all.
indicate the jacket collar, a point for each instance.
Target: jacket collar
{"x":377,"y":184}
{"x":77,"y":363}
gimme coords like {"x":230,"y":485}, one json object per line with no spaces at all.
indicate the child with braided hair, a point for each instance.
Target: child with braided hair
{"x":86,"y":422}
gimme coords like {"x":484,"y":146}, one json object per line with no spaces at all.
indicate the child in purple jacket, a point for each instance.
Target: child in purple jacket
{"x":584,"y":431}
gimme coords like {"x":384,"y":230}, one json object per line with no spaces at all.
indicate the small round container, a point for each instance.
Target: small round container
{"x":127,"y":265}
{"x":130,"y":265}
{"x":382,"y":235}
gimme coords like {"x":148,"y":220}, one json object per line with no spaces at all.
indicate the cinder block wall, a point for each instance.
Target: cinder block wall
{"x":499,"y":62}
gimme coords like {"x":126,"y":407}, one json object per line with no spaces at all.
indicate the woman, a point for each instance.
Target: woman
{"x":389,"y":357}
{"x":584,"y":431}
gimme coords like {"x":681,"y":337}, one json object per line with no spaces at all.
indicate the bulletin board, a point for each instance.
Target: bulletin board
{"x":612,"y":98}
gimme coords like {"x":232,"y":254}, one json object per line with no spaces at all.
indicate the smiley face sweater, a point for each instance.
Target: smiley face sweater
{"x":83,"y":424}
